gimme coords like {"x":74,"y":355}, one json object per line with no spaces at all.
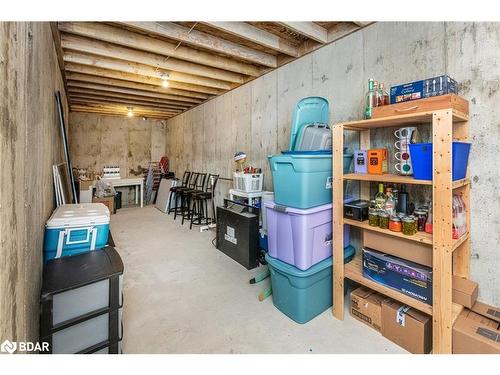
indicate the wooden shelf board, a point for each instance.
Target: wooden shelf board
{"x":354,"y":271}
{"x":397,"y":179}
{"x":459,"y":241}
{"x":400,"y":120}
{"x":420,"y":237}
{"x":459,"y":183}
{"x":386,"y":177}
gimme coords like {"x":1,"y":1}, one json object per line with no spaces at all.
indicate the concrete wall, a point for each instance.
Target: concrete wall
{"x":30,"y":142}
{"x":130,"y":143}
{"x":256,"y":117}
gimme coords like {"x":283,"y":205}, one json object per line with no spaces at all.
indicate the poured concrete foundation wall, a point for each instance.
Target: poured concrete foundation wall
{"x":30,"y":142}
{"x":256,"y":117}
{"x":130,"y":143}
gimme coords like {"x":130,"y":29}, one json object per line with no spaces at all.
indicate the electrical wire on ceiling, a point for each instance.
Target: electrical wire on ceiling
{"x":177,"y":46}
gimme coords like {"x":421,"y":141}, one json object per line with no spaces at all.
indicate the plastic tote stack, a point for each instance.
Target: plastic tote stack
{"x":76,"y":228}
{"x":299,"y":220}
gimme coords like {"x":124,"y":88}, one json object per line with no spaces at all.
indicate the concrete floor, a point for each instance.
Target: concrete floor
{"x":184,"y":296}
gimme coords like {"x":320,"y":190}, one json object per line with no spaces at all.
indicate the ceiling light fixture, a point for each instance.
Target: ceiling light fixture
{"x":164,"y":80}
{"x":130,"y":111}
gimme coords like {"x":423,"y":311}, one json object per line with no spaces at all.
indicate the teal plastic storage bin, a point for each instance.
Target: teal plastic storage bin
{"x":302,"y":295}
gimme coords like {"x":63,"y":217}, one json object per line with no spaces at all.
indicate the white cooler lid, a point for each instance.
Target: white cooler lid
{"x":79,"y":215}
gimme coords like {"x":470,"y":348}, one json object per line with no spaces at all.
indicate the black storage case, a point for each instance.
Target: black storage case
{"x":70,"y":273}
{"x":238,"y":232}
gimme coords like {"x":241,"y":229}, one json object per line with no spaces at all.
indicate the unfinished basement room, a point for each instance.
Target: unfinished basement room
{"x":303,"y":183}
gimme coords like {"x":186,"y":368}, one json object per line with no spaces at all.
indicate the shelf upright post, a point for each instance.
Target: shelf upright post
{"x":461,"y":255}
{"x":338,"y":227}
{"x":442,"y":130}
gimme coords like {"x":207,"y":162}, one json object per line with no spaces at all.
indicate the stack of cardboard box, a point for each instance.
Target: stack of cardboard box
{"x":476,"y":330}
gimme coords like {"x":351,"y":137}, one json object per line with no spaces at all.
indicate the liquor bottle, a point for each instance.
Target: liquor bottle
{"x":383,"y":96}
{"x":370,"y":99}
{"x":428,"y":223}
{"x":390,"y":205}
{"x":380,"y":197}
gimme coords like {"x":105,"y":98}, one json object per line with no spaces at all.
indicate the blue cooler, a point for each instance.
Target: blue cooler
{"x":76,"y":228}
{"x":302,"y":295}
{"x":303,"y":179}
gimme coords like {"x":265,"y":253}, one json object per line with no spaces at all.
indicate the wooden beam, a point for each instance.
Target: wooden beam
{"x":310,"y":30}
{"x":256,"y":35}
{"x":96,"y":86}
{"x":133,"y":85}
{"x":146,"y":70}
{"x":104,"y":99}
{"x":115,"y":114}
{"x":121,"y":108}
{"x":106,"y":33}
{"x":108,"y":73}
{"x":362,"y":23}
{"x":109,"y":94}
{"x":204,"y":40}
{"x":86,"y":45}
{"x":126,"y":103}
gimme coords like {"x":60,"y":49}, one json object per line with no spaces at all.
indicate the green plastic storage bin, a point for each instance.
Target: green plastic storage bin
{"x":302,"y":295}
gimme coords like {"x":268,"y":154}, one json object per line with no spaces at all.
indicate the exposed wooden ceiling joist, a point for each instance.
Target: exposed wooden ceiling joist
{"x":146,"y":70}
{"x":127,"y":38}
{"x":114,"y":113}
{"x":309,"y":29}
{"x":134,"y":85}
{"x":130,"y":98}
{"x":205,"y":41}
{"x":132,"y":103}
{"x":340,"y":30}
{"x":256,"y":35}
{"x":105,"y":49}
{"x":108,"y":73}
{"x":96,"y":86}
{"x":123,"y":107}
{"x":118,"y":110}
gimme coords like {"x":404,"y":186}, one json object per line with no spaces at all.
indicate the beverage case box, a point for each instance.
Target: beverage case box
{"x":399,"y":274}
{"x":436,"y":86}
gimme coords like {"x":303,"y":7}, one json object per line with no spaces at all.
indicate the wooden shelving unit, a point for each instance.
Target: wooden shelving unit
{"x":449,"y":256}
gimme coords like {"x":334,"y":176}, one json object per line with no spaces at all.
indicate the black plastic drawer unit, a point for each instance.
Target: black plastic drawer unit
{"x":81,"y":303}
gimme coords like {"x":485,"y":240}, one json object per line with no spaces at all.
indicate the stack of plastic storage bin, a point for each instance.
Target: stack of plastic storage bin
{"x":299,"y":221}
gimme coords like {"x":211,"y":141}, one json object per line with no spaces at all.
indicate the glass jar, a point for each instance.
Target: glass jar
{"x":409,"y":225}
{"x":383,"y":220}
{"x":373,"y":217}
{"x":395,"y":224}
{"x":421,"y":219}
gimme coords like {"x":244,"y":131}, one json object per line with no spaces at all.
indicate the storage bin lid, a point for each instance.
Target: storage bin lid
{"x":307,"y":211}
{"x":308,"y":110}
{"x":318,"y":267}
{"x":305,"y":153}
{"x":79,"y":215}
{"x":76,"y":271}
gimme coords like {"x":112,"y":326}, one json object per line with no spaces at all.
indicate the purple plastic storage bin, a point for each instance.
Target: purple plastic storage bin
{"x":298,"y":237}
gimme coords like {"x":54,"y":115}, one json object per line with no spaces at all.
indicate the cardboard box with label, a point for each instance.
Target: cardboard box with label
{"x":407,"y":327}
{"x":477,"y":331}
{"x":366,"y":306}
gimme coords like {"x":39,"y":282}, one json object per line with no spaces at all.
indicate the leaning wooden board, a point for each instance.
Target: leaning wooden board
{"x":423,"y":105}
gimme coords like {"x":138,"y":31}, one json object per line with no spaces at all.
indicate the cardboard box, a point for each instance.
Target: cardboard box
{"x":86,"y":184}
{"x":366,"y":306}
{"x":423,"y":105}
{"x":412,"y":279}
{"x":407,"y":327}
{"x":107,"y":201}
{"x":477,"y":331}
{"x":464,"y":291}
{"x":425,"y":88}
{"x":400,"y":247}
